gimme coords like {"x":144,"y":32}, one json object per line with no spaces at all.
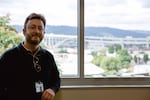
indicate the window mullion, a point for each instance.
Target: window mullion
{"x":81,"y":38}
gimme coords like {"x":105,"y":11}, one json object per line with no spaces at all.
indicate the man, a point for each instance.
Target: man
{"x":28,"y":71}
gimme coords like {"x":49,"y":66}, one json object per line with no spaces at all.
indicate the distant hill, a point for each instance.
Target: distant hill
{"x":92,"y":31}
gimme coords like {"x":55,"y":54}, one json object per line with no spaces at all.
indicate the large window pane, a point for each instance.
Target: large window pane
{"x":117,"y":42}
{"x":61,"y":31}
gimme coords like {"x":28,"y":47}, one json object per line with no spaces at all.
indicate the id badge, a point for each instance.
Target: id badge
{"x":39,"y":87}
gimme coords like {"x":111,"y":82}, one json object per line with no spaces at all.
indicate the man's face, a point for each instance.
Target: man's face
{"x":34,"y":31}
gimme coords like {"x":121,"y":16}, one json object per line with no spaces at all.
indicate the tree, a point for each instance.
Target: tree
{"x":98,"y":56}
{"x":111,"y":49}
{"x":113,"y":65}
{"x":110,"y":65}
{"x":145,"y":58}
{"x":125,"y":58}
{"x":118,"y":47}
{"x":135,"y":59}
{"x":8,"y":35}
{"x":114,"y":48}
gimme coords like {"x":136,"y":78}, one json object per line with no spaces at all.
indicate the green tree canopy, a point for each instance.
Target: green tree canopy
{"x":145,"y":58}
{"x":113,"y":65}
{"x":8,"y":34}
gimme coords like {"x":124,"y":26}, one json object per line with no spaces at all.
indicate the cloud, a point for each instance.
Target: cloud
{"x":145,"y":3}
{"x":128,"y":14}
{"x":124,"y":14}
{"x":56,"y":13}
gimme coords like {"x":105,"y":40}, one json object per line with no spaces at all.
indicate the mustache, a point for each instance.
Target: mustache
{"x":36,"y":34}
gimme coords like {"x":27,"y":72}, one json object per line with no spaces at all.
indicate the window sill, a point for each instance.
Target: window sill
{"x":106,"y":86}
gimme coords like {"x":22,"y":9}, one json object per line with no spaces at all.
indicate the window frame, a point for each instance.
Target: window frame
{"x":81,"y":81}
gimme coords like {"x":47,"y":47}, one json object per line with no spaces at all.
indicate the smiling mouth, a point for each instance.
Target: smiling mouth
{"x":35,"y":37}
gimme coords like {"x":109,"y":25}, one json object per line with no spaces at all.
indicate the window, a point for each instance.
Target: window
{"x":115,"y":34}
{"x":92,"y":41}
{"x":61,"y":30}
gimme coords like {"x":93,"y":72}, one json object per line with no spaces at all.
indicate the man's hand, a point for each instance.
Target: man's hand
{"x":48,"y":94}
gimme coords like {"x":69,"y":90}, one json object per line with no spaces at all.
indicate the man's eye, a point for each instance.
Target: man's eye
{"x":40,"y":28}
{"x":32,"y":27}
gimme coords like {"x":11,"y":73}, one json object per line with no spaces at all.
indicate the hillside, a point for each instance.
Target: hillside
{"x":92,"y":31}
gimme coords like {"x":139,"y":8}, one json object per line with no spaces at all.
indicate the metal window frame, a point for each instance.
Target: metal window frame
{"x":81,"y":81}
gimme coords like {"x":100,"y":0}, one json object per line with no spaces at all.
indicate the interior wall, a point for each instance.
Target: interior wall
{"x":123,"y":93}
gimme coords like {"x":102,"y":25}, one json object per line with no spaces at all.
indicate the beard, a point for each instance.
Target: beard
{"x":34,"y":39}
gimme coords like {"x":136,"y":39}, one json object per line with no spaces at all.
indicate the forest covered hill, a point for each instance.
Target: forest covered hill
{"x":92,"y":31}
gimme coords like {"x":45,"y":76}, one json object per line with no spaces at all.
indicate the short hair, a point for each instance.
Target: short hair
{"x":35,"y":16}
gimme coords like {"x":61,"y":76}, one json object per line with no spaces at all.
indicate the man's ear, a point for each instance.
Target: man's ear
{"x":23,"y":31}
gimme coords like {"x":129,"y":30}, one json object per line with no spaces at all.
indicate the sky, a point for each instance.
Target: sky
{"x":123,"y":14}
